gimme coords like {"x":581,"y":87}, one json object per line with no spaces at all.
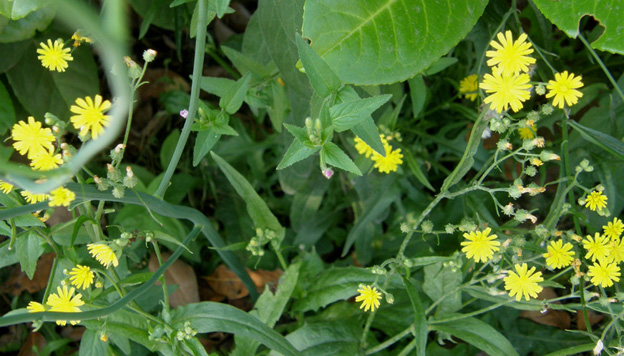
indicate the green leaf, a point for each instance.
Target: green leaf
{"x":212,"y":317}
{"x":347,"y":115}
{"x":162,"y":236}
{"x":367,"y":131}
{"x":256,"y":207}
{"x":203,"y":144}
{"x":440,"y":65}
{"x":167,"y":148}
{"x":245,"y":63}
{"x":334,"y":156}
{"x":28,"y":250}
{"x":269,"y":308}
{"x":600,"y":139}
{"x":27,"y":27}
{"x":567,"y":14}
{"x":478,"y":334}
{"x":13,"y":52}
{"x":17,"y":9}
{"x":386,"y":41}
{"x":323,"y":79}
{"x":278,"y":110}
{"x":420,"y":320}
{"x":7,"y":112}
{"x":333,"y":337}
{"x":334,"y":284}
{"x":233,"y":98}
{"x":441,"y":282}
{"x":296,"y":152}
{"x":299,"y":133}
{"x":375,"y":205}
{"x":80,"y":79}
{"x":414,"y":167}
{"x":216,"y":86}
{"x":418,"y":94}
{"x":7,"y":257}
{"x":222,"y":6}
{"x":91,"y":345}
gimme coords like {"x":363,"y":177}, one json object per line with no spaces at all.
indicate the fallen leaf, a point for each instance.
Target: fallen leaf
{"x":593,"y":319}
{"x":226,"y":283}
{"x":19,"y":282}
{"x":183,"y":275}
{"x":557,"y":318}
{"x":33,"y":339}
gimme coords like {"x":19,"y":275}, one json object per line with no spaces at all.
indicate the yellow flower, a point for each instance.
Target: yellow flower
{"x":34,"y":307}
{"x":61,"y":197}
{"x":46,"y":160}
{"x":78,"y":39}
{"x":604,"y":274}
{"x":596,"y":247}
{"x":563,"y":88}
{"x":5,"y":187}
{"x":54,"y":56}
{"x":469,"y":86}
{"x":90,"y":115}
{"x":527,"y":133}
{"x":596,"y":200}
{"x":524,"y":283}
{"x":389,"y":163}
{"x":369,"y":298}
{"x":30,"y":138}
{"x":33,"y":198}
{"x":363,"y":148}
{"x":480,"y":246}
{"x":104,"y":254}
{"x":616,"y":250}
{"x":65,"y":301}
{"x":612,"y":230}
{"x":512,"y":57}
{"x":507,"y":90}
{"x":559,"y":255}
{"x":81,"y":276}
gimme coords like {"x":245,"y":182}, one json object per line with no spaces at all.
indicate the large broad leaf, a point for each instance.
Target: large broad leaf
{"x":40,"y":91}
{"x":328,"y":338}
{"x":25,"y":28}
{"x":478,"y":334}
{"x":7,"y":112}
{"x":17,"y":9}
{"x":600,"y":139}
{"x":211,"y":317}
{"x":28,"y":252}
{"x":567,"y":14}
{"x":385,"y":41}
{"x":441,"y":283}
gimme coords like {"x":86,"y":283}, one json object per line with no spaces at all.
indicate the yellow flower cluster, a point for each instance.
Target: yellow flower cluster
{"x":508,"y":86}
{"x":63,"y":300}
{"x":392,"y":160}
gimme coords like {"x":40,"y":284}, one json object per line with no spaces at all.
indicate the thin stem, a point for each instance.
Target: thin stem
{"x":281,"y":259}
{"x":584,"y":306}
{"x":162,"y":278}
{"x":371,"y":317}
{"x":198,"y":66}
{"x":408,"y":349}
{"x":390,"y":341}
{"x":568,"y":169}
{"x":604,"y":68}
{"x":468,"y":315}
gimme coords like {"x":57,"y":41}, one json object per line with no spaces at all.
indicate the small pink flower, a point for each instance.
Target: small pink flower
{"x":328,"y":173}
{"x":184,"y":113}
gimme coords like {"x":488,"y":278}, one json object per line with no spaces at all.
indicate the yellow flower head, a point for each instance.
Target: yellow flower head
{"x":559,"y":255}
{"x":369,"y":298}
{"x":596,"y":200}
{"x":506,"y":89}
{"x":54,"y":56}
{"x":616,"y":250}
{"x":104,"y":254}
{"x":78,"y":39}
{"x":61,"y":197}
{"x":46,"y":160}
{"x":512,"y":57}
{"x":65,"y":301}
{"x":33,"y":198}
{"x":612,"y":230}
{"x":363,"y":148}
{"x":30,"y":138}
{"x":468,"y":87}
{"x":90,"y":115}
{"x":527,"y":133}
{"x":393,"y":159}
{"x":480,"y":246}
{"x":603,"y":274}
{"x":563,"y":88}
{"x":596,"y":247}
{"x":81,"y":276}
{"x":34,"y":307}
{"x":5,"y":187}
{"x":523,"y":283}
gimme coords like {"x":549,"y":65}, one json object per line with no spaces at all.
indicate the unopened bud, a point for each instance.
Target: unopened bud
{"x":540,"y":90}
{"x":55,"y":129}
{"x":427,"y":226}
{"x":549,"y":156}
{"x":149,"y":55}
{"x":504,"y":145}
{"x":449,"y":228}
{"x":118,"y":192}
{"x":184,"y":113}
{"x":328,"y":173}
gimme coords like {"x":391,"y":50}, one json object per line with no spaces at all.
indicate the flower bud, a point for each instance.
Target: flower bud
{"x":427,"y":226}
{"x":118,"y":192}
{"x":328,"y":173}
{"x":449,"y":228}
{"x":149,"y":55}
{"x":184,"y":113}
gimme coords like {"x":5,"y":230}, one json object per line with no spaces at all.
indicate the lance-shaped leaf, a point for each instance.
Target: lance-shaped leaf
{"x":323,"y":79}
{"x":346,"y":115}
{"x":233,"y":98}
{"x":334,"y":156}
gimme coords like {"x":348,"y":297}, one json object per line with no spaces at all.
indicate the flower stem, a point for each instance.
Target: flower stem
{"x":198,"y":66}
{"x":162,"y":278}
{"x":604,"y":68}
